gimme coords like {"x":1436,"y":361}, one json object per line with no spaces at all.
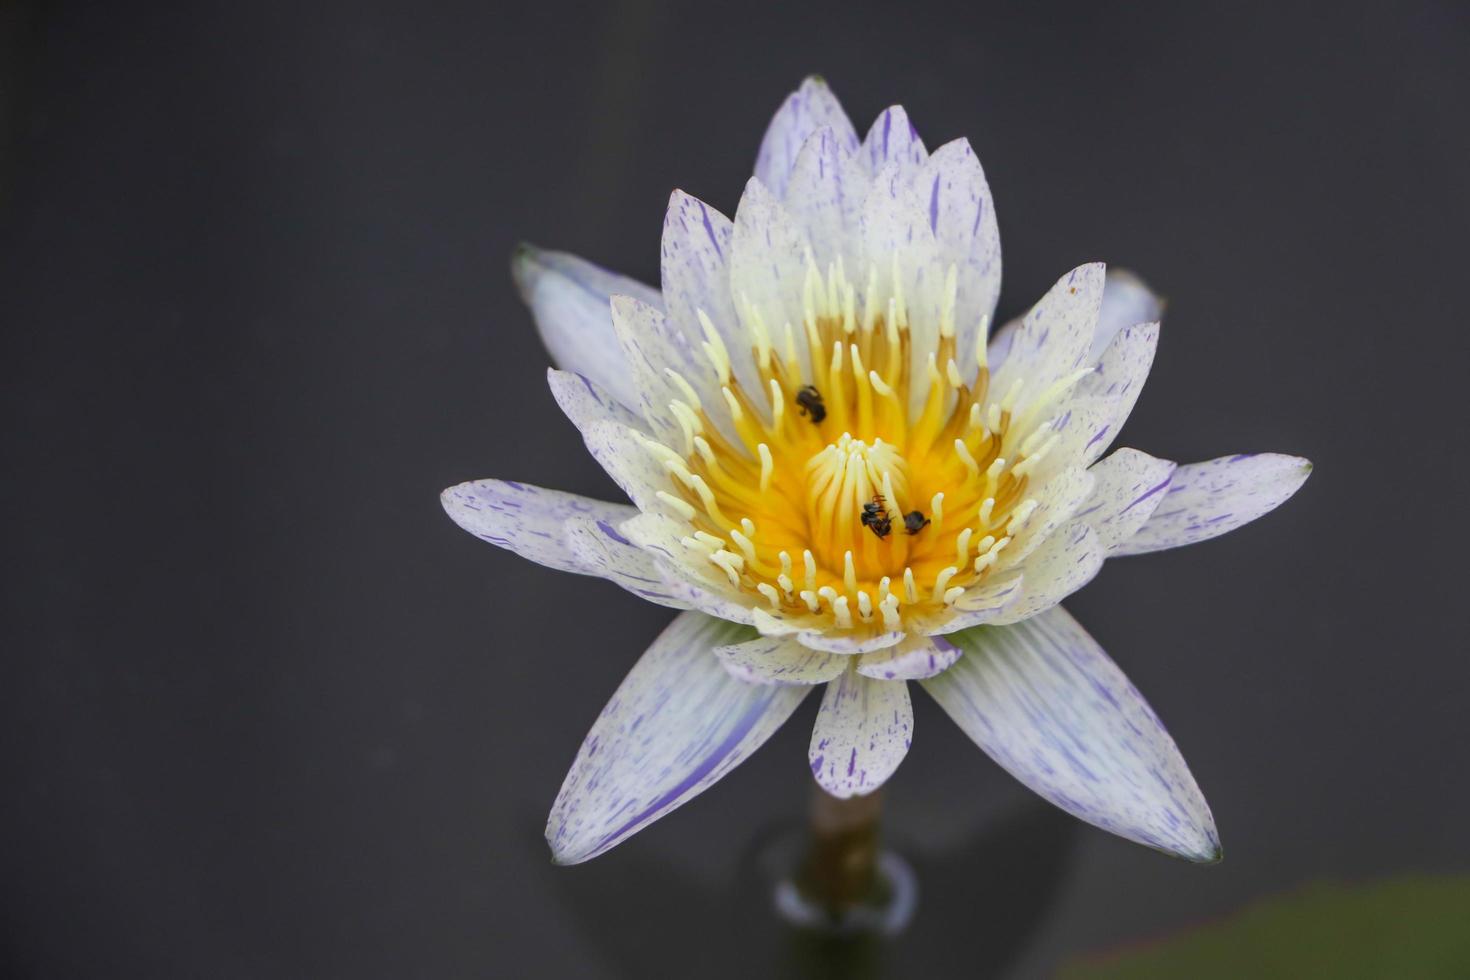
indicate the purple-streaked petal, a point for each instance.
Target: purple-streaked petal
{"x":1130,"y":486}
{"x":650,"y":346}
{"x":862,"y":733}
{"x":1126,"y":301}
{"x":808,"y":109}
{"x":980,"y":604}
{"x":825,"y":197}
{"x":1054,"y":338}
{"x":893,"y":141}
{"x":896,"y":233}
{"x":768,"y":260}
{"x":1207,"y":499}
{"x":584,"y":401}
{"x":1066,"y":562}
{"x":915,"y":659}
{"x":526,"y":519}
{"x":677,"y":724}
{"x":848,"y":644}
{"x":602,"y":550}
{"x":568,"y":297}
{"x":621,"y":452}
{"x":779,"y":660}
{"x":1045,"y":702}
{"x":962,"y":214}
{"x":1121,"y":371}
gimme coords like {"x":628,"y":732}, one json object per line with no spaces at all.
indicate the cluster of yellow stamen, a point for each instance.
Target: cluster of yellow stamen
{"x":779,"y":510}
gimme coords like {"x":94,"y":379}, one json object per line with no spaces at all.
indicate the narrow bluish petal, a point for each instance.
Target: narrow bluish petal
{"x":568,"y":297}
{"x":583,"y":401}
{"x":962,"y":214}
{"x":825,"y":197}
{"x":1064,"y":563}
{"x":601,"y":549}
{"x":892,"y":141}
{"x":808,"y":109}
{"x":1207,"y":499}
{"x":779,"y":660}
{"x":1045,"y":702}
{"x":862,"y":733}
{"x":678,"y":723}
{"x":1130,"y":486}
{"x":526,"y":519}
{"x":1054,"y":338}
{"x":1127,"y":301}
{"x":915,"y":659}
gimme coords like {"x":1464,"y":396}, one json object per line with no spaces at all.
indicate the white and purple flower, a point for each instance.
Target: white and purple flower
{"x":840,"y":481}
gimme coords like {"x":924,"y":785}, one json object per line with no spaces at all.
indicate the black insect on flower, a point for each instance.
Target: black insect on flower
{"x":914,"y":522}
{"x":875,"y":517}
{"x":809,"y":402}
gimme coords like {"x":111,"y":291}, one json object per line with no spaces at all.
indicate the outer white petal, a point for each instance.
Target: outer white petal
{"x":1043,"y":700}
{"x":1207,"y":499}
{"x":527,"y":520}
{"x":892,"y":141}
{"x":601,"y":549}
{"x":584,"y":401}
{"x":962,"y":214}
{"x":862,"y":733}
{"x":825,"y":197}
{"x":677,"y":724}
{"x":1126,"y":301}
{"x":1066,"y":562}
{"x":916,"y":658}
{"x":568,"y":298}
{"x":896,"y":232}
{"x":1054,"y":339}
{"x":848,"y":643}
{"x":1121,"y":371}
{"x":808,"y":109}
{"x":1130,"y":486}
{"x":779,"y":660}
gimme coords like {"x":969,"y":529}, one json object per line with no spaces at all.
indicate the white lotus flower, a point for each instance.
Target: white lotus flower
{"x":812,"y":385}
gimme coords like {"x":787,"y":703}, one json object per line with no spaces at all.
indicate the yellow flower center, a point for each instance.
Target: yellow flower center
{"x":840,"y":497}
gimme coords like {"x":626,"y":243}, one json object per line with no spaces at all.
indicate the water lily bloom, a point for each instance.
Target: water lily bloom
{"x":843,"y":482}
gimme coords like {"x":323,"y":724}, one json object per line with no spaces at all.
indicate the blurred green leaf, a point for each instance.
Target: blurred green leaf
{"x":1413,"y":927}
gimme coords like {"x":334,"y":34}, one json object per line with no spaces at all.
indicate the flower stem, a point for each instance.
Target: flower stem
{"x":840,"y":871}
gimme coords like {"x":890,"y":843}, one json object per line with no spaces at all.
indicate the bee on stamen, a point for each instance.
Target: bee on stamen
{"x":875,"y":517}
{"x":809,"y":402}
{"x":914,"y":522}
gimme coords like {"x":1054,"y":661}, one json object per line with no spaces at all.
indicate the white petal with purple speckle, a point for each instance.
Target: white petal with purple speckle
{"x":677,"y":724}
{"x":962,"y":214}
{"x":602,"y":550}
{"x":862,"y":733}
{"x":526,"y":519}
{"x":568,"y":297}
{"x":1064,"y":563}
{"x":1043,"y":700}
{"x":1130,"y":486}
{"x":808,"y":109}
{"x":583,"y":401}
{"x":779,"y":660}
{"x":916,"y":658}
{"x":1207,"y":499}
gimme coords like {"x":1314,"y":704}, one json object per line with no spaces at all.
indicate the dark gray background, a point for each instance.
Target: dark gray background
{"x":268,"y":713}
